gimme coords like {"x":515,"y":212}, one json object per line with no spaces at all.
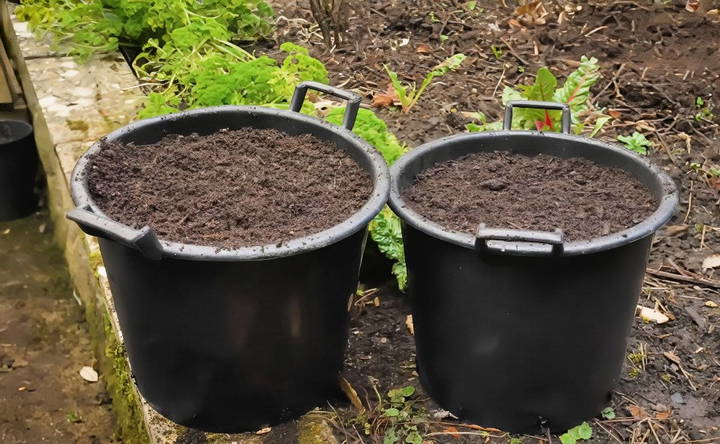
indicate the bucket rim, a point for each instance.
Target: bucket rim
{"x":24,"y":129}
{"x":663,"y":213}
{"x":379,"y":175}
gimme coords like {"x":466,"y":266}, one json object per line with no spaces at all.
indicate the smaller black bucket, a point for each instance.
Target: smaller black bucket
{"x":519,"y":329}
{"x":18,"y":170}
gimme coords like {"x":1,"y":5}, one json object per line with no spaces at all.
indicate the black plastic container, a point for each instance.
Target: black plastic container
{"x":231,"y":340}
{"x":519,"y":329}
{"x":18,"y":170}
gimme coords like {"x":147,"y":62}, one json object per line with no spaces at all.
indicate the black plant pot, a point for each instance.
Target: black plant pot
{"x":518,"y":329}
{"x":18,"y":170}
{"x":230,"y":340}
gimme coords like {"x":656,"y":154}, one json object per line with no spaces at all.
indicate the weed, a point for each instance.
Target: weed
{"x":497,"y":51}
{"x":408,"y":95}
{"x":578,"y":433}
{"x":404,"y":417}
{"x":608,"y":413}
{"x":637,"y":143}
{"x":705,"y":109}
{"x":73,"y":417}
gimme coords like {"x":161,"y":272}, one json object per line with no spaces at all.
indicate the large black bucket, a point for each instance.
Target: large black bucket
{"x":18,"y":170}
{"x":519,"y":329}
{"x":230,"y":340}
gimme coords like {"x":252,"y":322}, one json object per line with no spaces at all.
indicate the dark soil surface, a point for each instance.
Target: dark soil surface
{"x":231,"y":189}
{"x":656,"y":60}
{"x":542,"y":193}
{"x":44,"y":343}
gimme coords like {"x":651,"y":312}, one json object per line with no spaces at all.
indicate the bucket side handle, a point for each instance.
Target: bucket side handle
{"x":353,"y":100}
{"x":519,"y":242}
{"x":564,"y":107}
{"x":143,"y":239}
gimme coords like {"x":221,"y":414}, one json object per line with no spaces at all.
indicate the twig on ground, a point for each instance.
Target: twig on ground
{"x":681,"y":278}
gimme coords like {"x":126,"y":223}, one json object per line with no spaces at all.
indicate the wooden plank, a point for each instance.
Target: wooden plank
{"x":6,"y":98}
{"x":15,"y":88}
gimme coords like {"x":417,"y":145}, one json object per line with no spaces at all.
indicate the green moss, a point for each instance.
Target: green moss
{"x":126,"y":405}
{"x":95,"y":261}
{"x":314,"y":429}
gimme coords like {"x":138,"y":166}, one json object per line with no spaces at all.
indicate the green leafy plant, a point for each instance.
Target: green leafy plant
{"x":215,"y":72}
{"x":385,"y":228}
{"x":410,"y":94}
{"x":497,"y":51}
{"x":636,"y":142}
{"x":404,"y":417}
{"x":374,"y":130}
{"x":608,"y":413}
{"x":73,"y":417}
{"x":578,"y":433}
{"x":575,"y":92}
{"x":91,"y":26}
{"x":705,"y":109}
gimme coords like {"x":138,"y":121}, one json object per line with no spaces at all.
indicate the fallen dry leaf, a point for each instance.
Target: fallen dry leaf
{"x":264,"y":431}
{"x":614,"y":113}
{"x":19,"y":362}
{"x":662,"y":416}
{"x":692,"y":5}
{"x":423,"y":49}
{"x":714,"y":182}
{"x":651,"y":315}
{"x":89,"y":374}
{"x":711,"y":262}
{"x":532,"y":13}
{"x":351,"y":394}
{"x":711,"y":304}
{"x":515,"y":24}
{"x":453,"y":431}
{"x":637,"y":412}
{"x":388,"y":98}
{"x":409,"y":324}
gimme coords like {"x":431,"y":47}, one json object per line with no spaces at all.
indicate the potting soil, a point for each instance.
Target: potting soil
{"x":231,"y":189}
{"x":506,"y":190}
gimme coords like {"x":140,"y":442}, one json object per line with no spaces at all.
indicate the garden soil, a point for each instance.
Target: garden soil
{"x":656,"y":60}
{"x":231,"y":189}
{"x":44,"y":342}
{"x":540,"y":193}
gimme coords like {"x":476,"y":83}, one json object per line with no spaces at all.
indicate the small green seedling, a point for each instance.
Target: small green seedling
{"x":404,"y":417}
{"x":608,"y":413}
{"x":470,"y":6}
{"x":704,"y":109}
{"x":73,"y":417}
{"x":637,"y":143}
{"x":408,"y":95}
{"x":497,"y":51}
{"x":578,"y":433}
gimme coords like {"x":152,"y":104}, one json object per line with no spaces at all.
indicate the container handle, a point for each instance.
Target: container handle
{"x":353,"y":100}
{"x":516,"y":242}
{"x":143,"y":239}
{"x":564,"y":107}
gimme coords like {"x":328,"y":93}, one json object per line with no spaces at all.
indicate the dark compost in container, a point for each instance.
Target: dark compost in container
{"x":232,"y":288}
{"x":525,"y":263}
